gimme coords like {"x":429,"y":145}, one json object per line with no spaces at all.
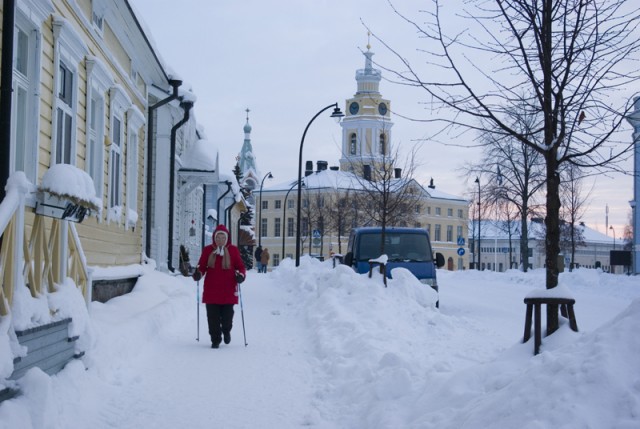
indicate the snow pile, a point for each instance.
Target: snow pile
{"x":332,"y":349}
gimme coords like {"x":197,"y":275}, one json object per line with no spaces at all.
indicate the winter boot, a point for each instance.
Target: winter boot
{"x":227,"y":337}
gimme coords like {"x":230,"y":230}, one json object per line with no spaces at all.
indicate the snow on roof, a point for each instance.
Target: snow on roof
{"x":70,"y":182}
{"x":200,"y":156}
{"x":499,"y":229}
{"x":338,"y":179}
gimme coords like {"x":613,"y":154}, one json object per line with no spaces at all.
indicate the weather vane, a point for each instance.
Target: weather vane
{"x":368,"y":40}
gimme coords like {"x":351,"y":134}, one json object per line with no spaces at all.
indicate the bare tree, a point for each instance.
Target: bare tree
{"x":574,"y":204}
{"x":388,"y":192}
{"x":571,"y":56}
{"x":342,"y":213}
{"x":515,"y":172}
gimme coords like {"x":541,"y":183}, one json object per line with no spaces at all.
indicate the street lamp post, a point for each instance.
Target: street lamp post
{"x":337,"y":113}
{"x":614,"y":236}
{"x":270,"y":176}
{"x":479,"y":221}
{"x":284,"y":214}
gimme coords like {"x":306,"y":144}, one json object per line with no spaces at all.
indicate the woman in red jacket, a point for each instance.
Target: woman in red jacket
{"x":222,"y":267}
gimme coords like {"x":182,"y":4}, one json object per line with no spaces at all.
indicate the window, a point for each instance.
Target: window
{"x":305,"y":203}
{"x":438,"y":211}
{"x":265,"y":205}
{"x":305,"y":227}
{"x":65,"y":118}
{"x":25,"y":100}
{"x":352,"y":144}
{"x":263,"y":227}
{"x":290,"y":227}
{"x":449,"y":233}
{"x":95,"y":138}
{"x":290,"y":204}
{"x":429,"y":211}
{"x":120,"y":103}
{"x":276,"y":259}
{"x":135,"y":120}
{"x":450,"y":212}
{"x":383,"y":144}
{"x":459,"y":232}
{"x":99,"y":80}
{"x":460,"y":213}
{"x":69,"y":51}
{"x":417,"y":208}
{"x":115,"y":163}
{"x":278,"y":204}
{"x":437,"y":236}
{"x":97,"y":14}
{"x":276,"y":227}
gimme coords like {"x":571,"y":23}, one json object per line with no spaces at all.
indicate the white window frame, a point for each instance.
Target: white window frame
{"x":135,"y":120}
{"x":98,"y":9}
{"x":120,"y":103}
{"x":99,"y":81}
{"x":69,"y":49}
{"x":25,"y":128}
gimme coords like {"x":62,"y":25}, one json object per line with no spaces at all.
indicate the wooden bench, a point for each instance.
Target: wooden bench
{"x":566,"y":309}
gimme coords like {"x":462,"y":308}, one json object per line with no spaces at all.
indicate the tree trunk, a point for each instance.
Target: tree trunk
{"x":552,"y":242}
{"x":524,"y":240}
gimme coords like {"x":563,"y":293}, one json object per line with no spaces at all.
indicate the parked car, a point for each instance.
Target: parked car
{"x":408,"y":248}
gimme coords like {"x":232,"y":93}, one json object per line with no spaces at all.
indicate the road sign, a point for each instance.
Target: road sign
{"x":316,"y":233}
{"x":460,"y":251}
{"x":316,"y":242}
{"x":460,"y":241}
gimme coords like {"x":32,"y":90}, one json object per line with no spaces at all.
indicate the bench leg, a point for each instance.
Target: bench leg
{"x":572,"y":318}
{"x":538,"y":333}
{"x":527,"y":323}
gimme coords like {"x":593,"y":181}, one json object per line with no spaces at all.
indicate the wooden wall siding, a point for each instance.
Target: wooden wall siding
{"x":105,"y":243}
{"x":49,"y":348}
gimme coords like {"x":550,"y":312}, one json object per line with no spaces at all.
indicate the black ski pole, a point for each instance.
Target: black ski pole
{"x":242,"y":314}
{"x":198,"y":310}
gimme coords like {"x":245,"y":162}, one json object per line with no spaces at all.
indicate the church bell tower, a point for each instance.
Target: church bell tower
{"x":366,"y":128}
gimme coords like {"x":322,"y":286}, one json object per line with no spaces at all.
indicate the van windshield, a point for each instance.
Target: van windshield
{"x":398,"y":247}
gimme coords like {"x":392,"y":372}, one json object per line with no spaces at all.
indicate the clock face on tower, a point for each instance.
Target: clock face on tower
{"x":382,"y":109}
{"x":353,"y":108}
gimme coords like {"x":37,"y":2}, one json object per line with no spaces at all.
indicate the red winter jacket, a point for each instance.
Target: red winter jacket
{"x":220,"y":285}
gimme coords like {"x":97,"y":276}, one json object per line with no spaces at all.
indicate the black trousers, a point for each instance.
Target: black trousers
{"x":220,"y":318}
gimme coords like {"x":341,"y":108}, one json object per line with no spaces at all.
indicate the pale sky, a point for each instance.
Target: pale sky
{"x":287,"y":59}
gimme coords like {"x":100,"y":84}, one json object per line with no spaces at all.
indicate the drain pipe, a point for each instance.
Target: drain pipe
{"x":175,"y":84}
{"x":186,"y":105}
{"x":6,"y":84}
{"x":204,"y":212}
{"x":220,"y":199}
{"x":227,"y":214}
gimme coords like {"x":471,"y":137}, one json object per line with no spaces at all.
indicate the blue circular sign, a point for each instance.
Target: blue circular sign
{"x":461,"y":251}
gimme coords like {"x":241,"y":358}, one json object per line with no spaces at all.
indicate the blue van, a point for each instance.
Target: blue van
{"x":409,"y":248}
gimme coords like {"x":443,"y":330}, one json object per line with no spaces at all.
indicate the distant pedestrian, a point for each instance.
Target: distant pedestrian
{"x":222,"y":267}
{"x":264,"y":259}
{"x":258,"y":255}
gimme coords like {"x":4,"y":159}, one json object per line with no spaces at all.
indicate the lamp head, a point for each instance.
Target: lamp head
{"x":337,"y":113}
{"x":477,"y":180}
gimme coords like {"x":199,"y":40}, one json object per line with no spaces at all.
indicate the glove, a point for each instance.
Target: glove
{"x":239,"y":277}
{"x":197,"y":275}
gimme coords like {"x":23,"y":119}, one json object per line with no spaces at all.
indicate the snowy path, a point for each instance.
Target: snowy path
{"x":174,"y":381}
